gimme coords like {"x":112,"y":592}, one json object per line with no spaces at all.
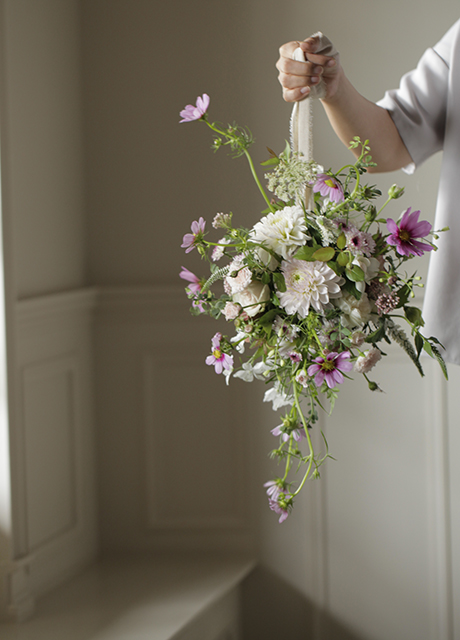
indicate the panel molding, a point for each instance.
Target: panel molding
{"x":64,"y":366}
{"x":52,"y":392}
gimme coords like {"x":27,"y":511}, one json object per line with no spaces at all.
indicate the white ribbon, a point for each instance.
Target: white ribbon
{"x":302,"y":114}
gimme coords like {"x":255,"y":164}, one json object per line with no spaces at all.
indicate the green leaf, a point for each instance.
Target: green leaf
{"x":279,"y":281}
{"x":403,"y":295}
{"x":355,"y":274}
{"x":378,"y":334}
{"x":343,"y":259}
{"x":268,"y":317}
{"x":325,"y":254}
{"x":414,"y":315}
{"x":350,"y":288}
{"x":306,"y":253}
{"x":418,"y":343}
{"x":341,"y":241}
{"x":269,"y":162}
{"x":440,"y":359}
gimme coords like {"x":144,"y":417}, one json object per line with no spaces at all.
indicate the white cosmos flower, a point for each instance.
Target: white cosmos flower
{"x":278,"y":398}
{"x":308,"y":284}
{"x":283,"y":231}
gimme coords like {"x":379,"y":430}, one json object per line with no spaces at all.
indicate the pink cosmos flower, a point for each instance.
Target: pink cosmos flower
{"x":280,"y":506}
{"x":403,"y":237}
{"x":194,"y":287}
{"x":330,"y":368}
{"x":274,"y":488}
{"x":285,"y":434}
{"x":218,"y":358}
{"x":195,"y":112}
{"x":329,"y":187}
{"x":190,"y":239}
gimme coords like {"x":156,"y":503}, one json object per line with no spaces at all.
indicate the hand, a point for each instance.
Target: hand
{"x":296,"y":77}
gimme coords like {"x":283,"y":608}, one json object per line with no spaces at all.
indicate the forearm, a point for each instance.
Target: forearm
{"x":350,"y":115}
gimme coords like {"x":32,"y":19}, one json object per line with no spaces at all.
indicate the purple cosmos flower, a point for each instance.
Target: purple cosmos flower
{"x":195,"y":112}
{"x":329,"y":187}
{"x":190,"y":239}
{"x":330,"y":368}
{"x":403,"y":237}
{"x":218,"y":358}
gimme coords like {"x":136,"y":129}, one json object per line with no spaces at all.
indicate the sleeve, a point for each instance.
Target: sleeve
{"x":418,"y":108}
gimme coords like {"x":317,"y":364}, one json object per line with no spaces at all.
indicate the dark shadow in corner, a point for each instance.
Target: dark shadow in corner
{"x":272,"y":609}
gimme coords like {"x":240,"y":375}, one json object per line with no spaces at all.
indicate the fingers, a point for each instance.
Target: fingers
{"x":297,"y":77}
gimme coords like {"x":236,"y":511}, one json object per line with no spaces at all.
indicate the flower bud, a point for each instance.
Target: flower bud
{"x":395,"y":192}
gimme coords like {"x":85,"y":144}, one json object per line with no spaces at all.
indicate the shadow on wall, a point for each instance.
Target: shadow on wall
{"x":273,"y":609}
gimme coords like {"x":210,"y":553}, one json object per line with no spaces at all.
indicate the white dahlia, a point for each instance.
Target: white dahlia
{"x":283,"y":231}
{"x":308,"y":284}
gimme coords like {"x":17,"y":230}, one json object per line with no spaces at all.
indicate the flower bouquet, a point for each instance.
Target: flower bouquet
{"x":313,"y":291}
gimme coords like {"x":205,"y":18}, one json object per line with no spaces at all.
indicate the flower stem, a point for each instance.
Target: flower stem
{"x":310,"y":445}
{"x":246,"y":153}
{"x":256,"y":178}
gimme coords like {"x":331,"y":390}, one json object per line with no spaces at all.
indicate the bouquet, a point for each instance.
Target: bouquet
{"x":313,"y":291}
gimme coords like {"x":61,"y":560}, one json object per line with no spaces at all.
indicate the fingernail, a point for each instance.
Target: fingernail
{"x":317,"y":69}
{"x":314,"y":79}
{"x":305,"y":90}
{"x":331,"y":63}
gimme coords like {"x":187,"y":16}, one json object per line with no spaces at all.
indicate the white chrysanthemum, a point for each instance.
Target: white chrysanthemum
{"x":283,"y":231}
{"x":308,"y":284}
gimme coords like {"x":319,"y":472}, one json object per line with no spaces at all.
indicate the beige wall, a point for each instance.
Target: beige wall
{"x":42,"y":167}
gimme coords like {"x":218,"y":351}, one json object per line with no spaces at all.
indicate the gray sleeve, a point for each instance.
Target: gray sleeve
{"x":418,"y":107}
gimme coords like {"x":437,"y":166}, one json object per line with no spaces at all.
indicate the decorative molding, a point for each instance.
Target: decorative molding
{"x":21,"y":602}
{"x":53,"y":306}
{"x":63,"y":374}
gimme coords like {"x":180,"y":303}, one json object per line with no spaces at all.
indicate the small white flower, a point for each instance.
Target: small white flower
{"x":239,"y":276}
{"x":218,"y":250}
{"x":278,"y":398}
{"x":227,"y":373}
{"x":240,"y":340}
{"x":302,"y":378}
{"x":231,"y":310}
{"x":367,"y":361}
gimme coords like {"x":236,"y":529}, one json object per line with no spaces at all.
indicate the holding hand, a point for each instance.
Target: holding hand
{"x":297,"y":78}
